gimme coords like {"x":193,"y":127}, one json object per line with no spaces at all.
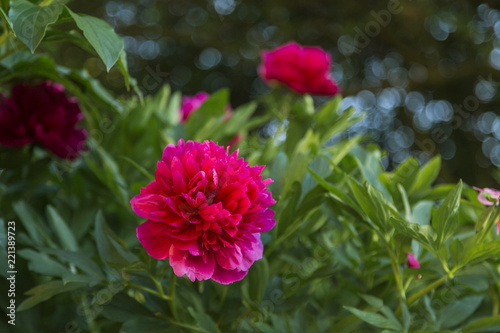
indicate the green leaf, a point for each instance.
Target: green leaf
{"x":478,"y":325}
{"x":101,"y":36}
{"x":427,"y":175}
{"x":239,"y":119}
{"x":421,"y":213}
{"x":458,"y":311}
{"x":46,"y":291}
{"x":5,"y":18}
{"x":123,"y":67}
{"x":33,"y":224}
{"x":445,"y":220}
{"x":485,"y":221}
{"x":42,"y":263}
{"x":373,"y":203}
{"x":63,"y":232}
{"x":256,"y":280}
{"x":425,"y":235}
{"x":172,"y":113}
{"x":30,"y":21}
{"x":78,"y":259}
{"x":481,"y":252}
{"x":375,"y":319}
{"x":204,"y":321}
{"x":457,"y":251}
{"x":406,"y":173}
{"x":108,"y":250}
{"x":145,"y":324}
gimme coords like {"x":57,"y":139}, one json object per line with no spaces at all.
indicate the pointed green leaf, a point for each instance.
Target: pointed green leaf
{"x":458,"y":311}
{"x":425,"y":235}
{"x":33,"y":224}
{"x":375,"y":319}
{"x":109,"y":250}
{"x":481,"y":252}
{"x":406,"y":173}
{"x":204,"y":321}
{"x":480,"y":324}
{"x":146,"y":324}
{"x":445,"y":220}
{"x":427,"y":175}
{"x":101,"y":36}
{"x":46,"y":291}
{"x":63,"y":232}
{"x":42,"y":263}
{"x":78,"y":259}
{"x":30,"y":21}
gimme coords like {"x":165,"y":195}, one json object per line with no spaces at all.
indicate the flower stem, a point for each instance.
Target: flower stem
{"x":149,"y":290}
{"x":429,"y":287}
{"x":172,"y":296}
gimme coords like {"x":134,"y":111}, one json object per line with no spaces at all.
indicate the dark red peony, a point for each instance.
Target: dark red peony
{"x":305,"y":69}
{"x":42,"y":114}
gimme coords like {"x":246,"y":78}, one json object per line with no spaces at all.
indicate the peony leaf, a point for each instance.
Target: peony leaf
{"x":42,"y":263}
{"x":482,"y":323}
{"x":30,"y":21}
{"x":46,"y":291}
{"x":101,"y":36}
{"x":78,"y":259}
{"x":33,"y":224}
{"x":458,"y":311}
{"x":427,"y":175}
{"x":445,"y":220}
{"x":375,"y":319}
{"x":145,"y":324}
{"x":60,"y":227}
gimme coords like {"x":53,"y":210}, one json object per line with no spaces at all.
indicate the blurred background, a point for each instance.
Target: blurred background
{"x":425,"y":72}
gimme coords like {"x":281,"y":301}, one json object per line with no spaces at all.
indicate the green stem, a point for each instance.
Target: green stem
{"x":172,"y":296}
{"x":190,"y":327}
{"x":395,"y":270}
{"x":151,"y":291}
{"x":429,"y":287}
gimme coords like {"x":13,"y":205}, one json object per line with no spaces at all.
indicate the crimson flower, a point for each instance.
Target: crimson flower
{"x":205,"y":211}
{"x":489,"y":197}
{"x":412,"y":261}
{"x":42,"y":114}
{"x":305,"y":69}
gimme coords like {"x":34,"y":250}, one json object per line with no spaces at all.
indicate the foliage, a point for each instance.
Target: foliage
{"x":335,"y":262}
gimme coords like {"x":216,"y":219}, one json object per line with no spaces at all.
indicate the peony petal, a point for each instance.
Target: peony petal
{"x":195,"y":267}
{"x":224,"y":276}
{"x":153,"y":236}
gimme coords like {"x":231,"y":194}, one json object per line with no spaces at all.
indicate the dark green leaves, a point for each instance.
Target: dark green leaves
{"x":45,"y":291}
{"x":30,"y":21}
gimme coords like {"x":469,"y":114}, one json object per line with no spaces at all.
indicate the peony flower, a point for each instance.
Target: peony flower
{"x":489,"y":197}
{"x":412,"y":261}
{"x":205,"y":212}
{"x":41,"y":114}
{"x":304,"y":69}
{"x":189,"y":104}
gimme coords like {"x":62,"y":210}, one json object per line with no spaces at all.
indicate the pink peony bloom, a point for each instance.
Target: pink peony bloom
{"x":189,"y":104}
{"x":304,"y":69}
{"x":489,"y":197}
{"x":205,"y":212}
{"x":412,"y":261}
{"x":42,"y":114}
